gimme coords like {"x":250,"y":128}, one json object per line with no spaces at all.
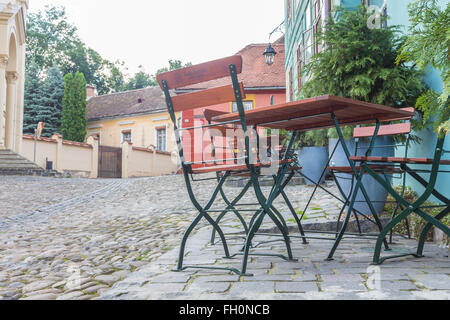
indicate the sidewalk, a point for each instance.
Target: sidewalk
{"x":349,"y":277}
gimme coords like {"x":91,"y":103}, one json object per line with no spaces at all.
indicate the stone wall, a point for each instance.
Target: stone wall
{"x":78,"y":159}
{"x":142,"y":162}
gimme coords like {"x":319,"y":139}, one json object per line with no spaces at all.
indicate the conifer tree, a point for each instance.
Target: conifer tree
{"x":359,"y":62}
{"x":53,"y":92}
{"x":73,"y":116}
{"x":43,"y":100}
{"x":33,"y":98}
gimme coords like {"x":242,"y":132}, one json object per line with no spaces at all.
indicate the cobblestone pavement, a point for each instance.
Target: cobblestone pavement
{"x":117,"y":239}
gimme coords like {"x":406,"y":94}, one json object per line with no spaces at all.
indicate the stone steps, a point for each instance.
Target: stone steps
{"x":13,"y":164}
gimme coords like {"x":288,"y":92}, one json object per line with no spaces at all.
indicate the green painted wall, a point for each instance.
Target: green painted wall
{"x":398,"y":15}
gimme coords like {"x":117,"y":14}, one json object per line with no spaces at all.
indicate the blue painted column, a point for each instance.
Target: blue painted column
{"x":398,"y":15}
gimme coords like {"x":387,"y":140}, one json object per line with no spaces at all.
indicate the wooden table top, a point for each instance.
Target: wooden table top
{"x":315,"y":113}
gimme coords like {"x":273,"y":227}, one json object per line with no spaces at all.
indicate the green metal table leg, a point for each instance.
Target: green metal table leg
{"x":231,"y":207}
{"x":347,"y":218}
{"x":426,"y":229}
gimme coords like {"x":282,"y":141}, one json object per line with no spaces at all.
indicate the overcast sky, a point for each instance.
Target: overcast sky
{"x":149,"y":32}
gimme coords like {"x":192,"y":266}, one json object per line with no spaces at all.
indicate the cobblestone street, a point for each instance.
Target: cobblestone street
{"x":118,"y":239}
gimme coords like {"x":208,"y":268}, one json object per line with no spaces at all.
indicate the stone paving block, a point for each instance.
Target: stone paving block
{"x":341,"y":277}
{"x":305,"y":277}
{"x":214,"y":287}
{"x":431,"y":295}
{"x":397,"y":285}
{"x":401,"y":271}
{"x":269,"y":277}
{"x":172,"y":277}
{"x":292,"y":287}
{"x":217,"y":278}
{"x":45,"y":296}
{"x":342,"y":286}
{"x":163,"y":287}
{"x":348,"y":270}
{"x":436,"y":270}
{"x":250,"y":286}
{"x":432,"y":281}
{"x":385,"y":276}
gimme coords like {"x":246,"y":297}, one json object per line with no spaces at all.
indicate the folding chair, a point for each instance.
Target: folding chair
{"x":231,"y":205}
{"x":231,"y":67}
{"x":375,"y":165}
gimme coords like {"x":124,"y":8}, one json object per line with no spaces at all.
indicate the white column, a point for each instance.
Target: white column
{"x":3,"y":64}
{"x":11,"y":105}
{"x":20,"y":100}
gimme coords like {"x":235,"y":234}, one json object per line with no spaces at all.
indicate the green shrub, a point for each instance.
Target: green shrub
{"x":416,"y":223}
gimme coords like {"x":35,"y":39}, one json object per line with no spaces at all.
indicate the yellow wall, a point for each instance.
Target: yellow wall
{"x":249,"y":97}
{"x":79,"y":159}
{"x":143,"y":130}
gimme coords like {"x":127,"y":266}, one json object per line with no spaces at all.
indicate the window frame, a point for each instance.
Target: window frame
{"x":157,"y":130}
{"x":126,"y":131}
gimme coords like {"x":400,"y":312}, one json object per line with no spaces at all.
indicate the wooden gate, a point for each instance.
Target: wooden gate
{"x":109,"y":162}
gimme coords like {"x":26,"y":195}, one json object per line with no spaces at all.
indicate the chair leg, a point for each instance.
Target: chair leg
{"x":347,"y":217}
{"x":248,"y":242}
{"x":231,"y":207}
{"x":284,"y":232}
{"x":297,"y":220}
{"x":426,"y":229}
{"x":374,"y":213}
{"x":266,"y":205}
{"x":384,"y":232}
{"x":184,"y":240}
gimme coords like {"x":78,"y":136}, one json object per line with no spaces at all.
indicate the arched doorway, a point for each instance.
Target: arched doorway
{"x":11,"y":94}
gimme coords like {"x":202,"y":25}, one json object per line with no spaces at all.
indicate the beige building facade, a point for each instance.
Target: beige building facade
{"x":139,"y":117}
{"x":12,"y":72}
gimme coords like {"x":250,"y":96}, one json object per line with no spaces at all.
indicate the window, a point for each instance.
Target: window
{"x":291,"y":86}
{"x":248,"y":105}
{"x":300,"y":66}
{"x":308,"y":16}
{"x":161,"y":139}
{"x":126,"y":136}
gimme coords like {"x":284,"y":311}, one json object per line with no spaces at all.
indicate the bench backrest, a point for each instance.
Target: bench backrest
{"x":387,"y":130}
{"x":208,"y":71}
{"x":198,"y":74}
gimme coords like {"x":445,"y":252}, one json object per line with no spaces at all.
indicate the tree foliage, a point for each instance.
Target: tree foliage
{"x":359,"y":62}
{"x":143,"y":80}
{"x":428,"y":44}
{"x":140,"y":80}
{"x":53,"y":40}
{"x":54,"y":48}
{"x":173,"y":65}
{"x":43,"y":100}
{"x":73,"y":117}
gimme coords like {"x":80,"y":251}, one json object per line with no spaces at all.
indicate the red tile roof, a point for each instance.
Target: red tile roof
{"x":143,"y":101}
{"x":255,"y":72}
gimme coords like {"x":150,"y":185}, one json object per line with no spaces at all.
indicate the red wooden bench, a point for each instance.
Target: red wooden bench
{"x":386,"y":130}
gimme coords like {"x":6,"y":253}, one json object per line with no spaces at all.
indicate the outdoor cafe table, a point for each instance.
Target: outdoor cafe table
{"x":314,"y":114}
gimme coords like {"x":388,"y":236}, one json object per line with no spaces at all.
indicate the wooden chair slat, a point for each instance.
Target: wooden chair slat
{"x":235,"y":167}
{"x":398,"y":160}
{"x":205,"y":98}
{"x":209,"y":114}
{"x":387,"y":130}
{"x":349,"y":170}
{"x":200,"y":73}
